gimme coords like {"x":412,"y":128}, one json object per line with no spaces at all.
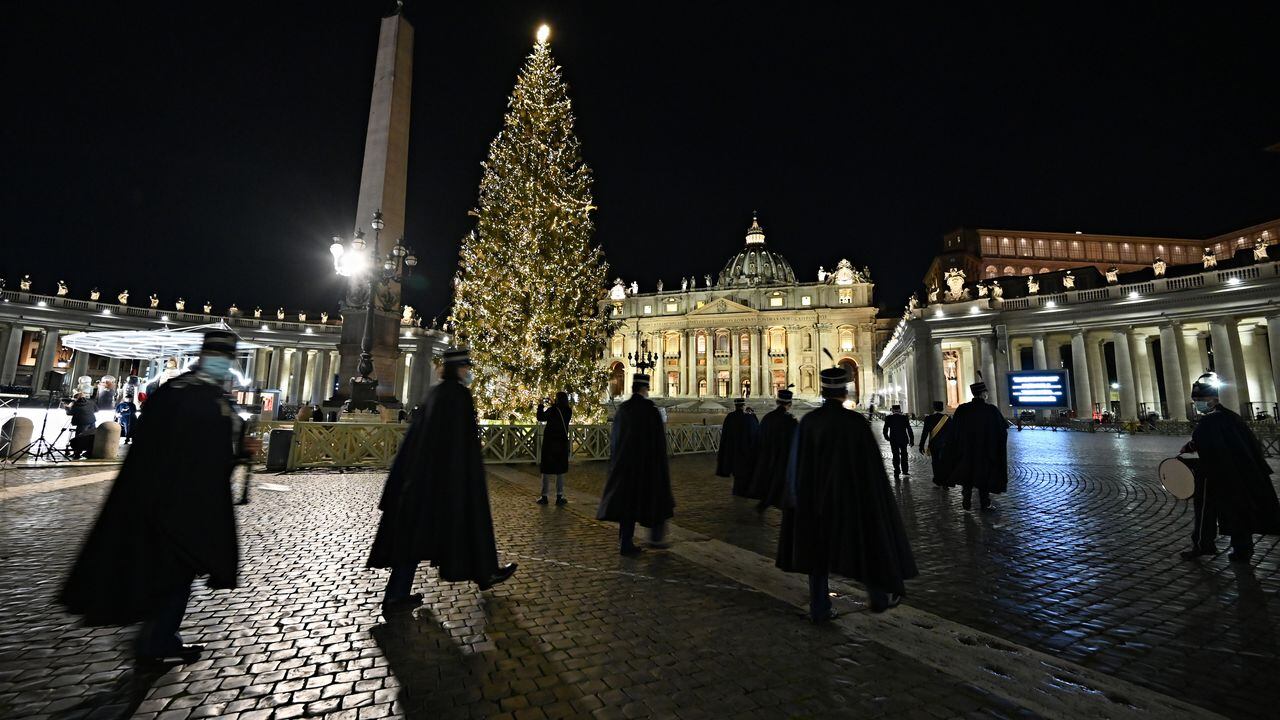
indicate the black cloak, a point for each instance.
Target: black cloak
{"x":555,"y":439}
{"x":977,"y":448}
{"x":435,"y":504}
{"x":842,"y":516}
{"x":639,"y":484}
{"x":737,"y":455}
{"x":769,"y":481}
{"x":169,"y":515}
{"x":936,"y":446}
{"x":1237,"y":476}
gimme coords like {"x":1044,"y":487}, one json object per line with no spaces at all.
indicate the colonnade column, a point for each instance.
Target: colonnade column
{"x":10,"y":344}
{"x":1097,"y":373}
{"x":317,"y":377}
{"x":658,"y":382}
{"x":1171,"y":349}
{"x":1273,"y":344}
{"x":1228,"y":363}
{"x":297,"y":370}
{"x":1255,"y":363}
{"x":1040,"y":361}
{"x":274,"y":367}
{"x":1080,"y":369}
{"x":937,"y":373}
{"x":44,"y":363}
{"x":1145,"y":359}
{"x":1124,"y":376}
{"x":989,"y":375}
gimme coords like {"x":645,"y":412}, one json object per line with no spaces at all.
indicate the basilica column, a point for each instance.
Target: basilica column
{"x":712,"y":389}
{"x":1080,"y":369}
{"x":1228,"y":363}
{"x":658,"y":384}
{"x":757,"y":389}
{"x":763,"y":364}
{"x":793,"y":355}
{"x":1124,"y":376}
{"x":1171,"y":349}
{"x":735,"y":363}
{"x":692,"y":372}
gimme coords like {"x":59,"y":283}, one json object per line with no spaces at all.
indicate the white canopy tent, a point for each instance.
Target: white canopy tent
{"x":149,"y":344}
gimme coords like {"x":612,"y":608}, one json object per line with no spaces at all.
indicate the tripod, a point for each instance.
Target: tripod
{"x":41,"y":448}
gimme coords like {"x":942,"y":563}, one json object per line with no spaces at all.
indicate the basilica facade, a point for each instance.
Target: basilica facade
{"x":750,"y":331}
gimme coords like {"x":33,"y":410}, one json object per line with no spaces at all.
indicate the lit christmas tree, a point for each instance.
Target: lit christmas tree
{"x":530,"y":281}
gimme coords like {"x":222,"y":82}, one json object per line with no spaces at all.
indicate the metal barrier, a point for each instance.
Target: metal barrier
{"x":374,"y":445}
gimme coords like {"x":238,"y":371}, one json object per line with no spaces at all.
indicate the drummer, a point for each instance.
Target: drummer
{"x":1233,"y":491}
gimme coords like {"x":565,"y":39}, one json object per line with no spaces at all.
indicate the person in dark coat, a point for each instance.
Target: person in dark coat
{"x":977,"y":452}
{"x":639,"y":486}
{"x":769,"y":480}
{"x":841,"y":516}
{"x":127,"y":412}
{"x":435,"y":503}
{"x":555,"y":445}
{"x":897,"y":430}
{"x":737,"y":455}
{"x":933,"y":442}
{"x":168,"y":518}
{"x":1233,"y":491}
{"x":83,"y":422}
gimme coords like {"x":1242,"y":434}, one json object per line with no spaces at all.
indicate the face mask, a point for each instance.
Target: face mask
{"x":468,"y":377}
{"x":1202,"y":406}
{"x":216,"y":366}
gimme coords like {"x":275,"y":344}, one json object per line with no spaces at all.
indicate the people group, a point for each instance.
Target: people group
{"x":169,"y":517}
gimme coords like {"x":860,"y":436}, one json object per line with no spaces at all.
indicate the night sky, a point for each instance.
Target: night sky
{"x":210,"y":150}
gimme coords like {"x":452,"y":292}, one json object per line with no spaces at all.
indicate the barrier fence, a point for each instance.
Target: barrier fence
{"x":374,"y":445}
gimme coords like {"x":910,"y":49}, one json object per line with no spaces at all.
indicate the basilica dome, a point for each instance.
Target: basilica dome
{"x":755,"y":265}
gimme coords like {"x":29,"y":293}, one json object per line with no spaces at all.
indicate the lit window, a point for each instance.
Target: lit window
{"x":617,"y":346}
{"x":806,"y":301}
{"x":988,"y":245}
{"x":775,"y":301}
{"x":846,"y":296}
{"x":702,"y":344}
{"x":648,"y":309}
{"x":846,"y":339}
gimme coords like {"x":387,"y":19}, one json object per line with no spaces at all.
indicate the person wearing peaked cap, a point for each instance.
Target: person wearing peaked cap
{"x":840,"y":515}
{"x":977,"y":450}
{"x":168,"y":517}
{"x":769,"y":477}
{"x":638,"y":489}
{"x":1234,"y":495}
{"x":933,"y":442}
{"x":897,"y":430}
{"x":435,"y":503}
{"x":737,"y":455}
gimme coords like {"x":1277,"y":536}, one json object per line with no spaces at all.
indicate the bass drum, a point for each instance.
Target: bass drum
{"x":1178,"y":476}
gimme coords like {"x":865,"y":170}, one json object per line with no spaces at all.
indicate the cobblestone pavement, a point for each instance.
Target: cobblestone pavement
{"x":578,"y":632}
{"x":1080,"y":562}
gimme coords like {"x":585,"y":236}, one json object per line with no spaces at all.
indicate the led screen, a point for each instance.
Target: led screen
{"x":1038,"y":389}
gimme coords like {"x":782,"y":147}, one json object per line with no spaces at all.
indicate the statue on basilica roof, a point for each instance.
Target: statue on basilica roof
{"x":822,"y":274}
{"x":619,"y":291}
{"x":684,"y":284}
{"x":659,"y":284}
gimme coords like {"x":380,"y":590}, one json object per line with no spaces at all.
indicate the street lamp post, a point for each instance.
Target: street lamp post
{"x":366,"y":265}
{"x":642,"y":359}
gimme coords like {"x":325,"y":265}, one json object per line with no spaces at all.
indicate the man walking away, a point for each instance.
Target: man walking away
{"x":933,"y":442}
{"x":841,"y":516}
{"x":769,"y":480}
{"x":897,"y":430}
{"x":639,"y":486}
{"x":978,"y":444}
{"x":737,"y":456}
{"x":435,"y":504}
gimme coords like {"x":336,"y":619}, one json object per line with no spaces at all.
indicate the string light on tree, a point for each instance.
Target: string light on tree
{"x":530,"y":281}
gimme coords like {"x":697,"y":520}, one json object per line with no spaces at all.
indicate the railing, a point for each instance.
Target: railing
{"x":1184,"y":283}
{"x":1093,"y":295}
{"x":374,"y":445}
{"x":1016,"y":304}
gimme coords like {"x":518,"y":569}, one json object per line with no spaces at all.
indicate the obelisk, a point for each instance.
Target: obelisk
{"x":383,"y":181}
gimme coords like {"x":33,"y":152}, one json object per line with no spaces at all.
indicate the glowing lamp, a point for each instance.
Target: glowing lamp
{"x":544,"y":32}
{"x":377,"y":223}
{"x":357,"y":240}
{"x":337,"y":248}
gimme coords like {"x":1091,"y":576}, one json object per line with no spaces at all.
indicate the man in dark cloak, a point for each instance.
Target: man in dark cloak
{"x":1234,"y":495}
{"x":977,"y":450}
{"x":897,"y":430}
{"x":769,"y":480}
{"x":555,"y":445}
{"x":435,"y":503}
{"x":168,"y":518}
{"x":737,"y":456}
{"x":933,"y":442}
{"x":639,"y":486}
{"x":841,"y":516}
